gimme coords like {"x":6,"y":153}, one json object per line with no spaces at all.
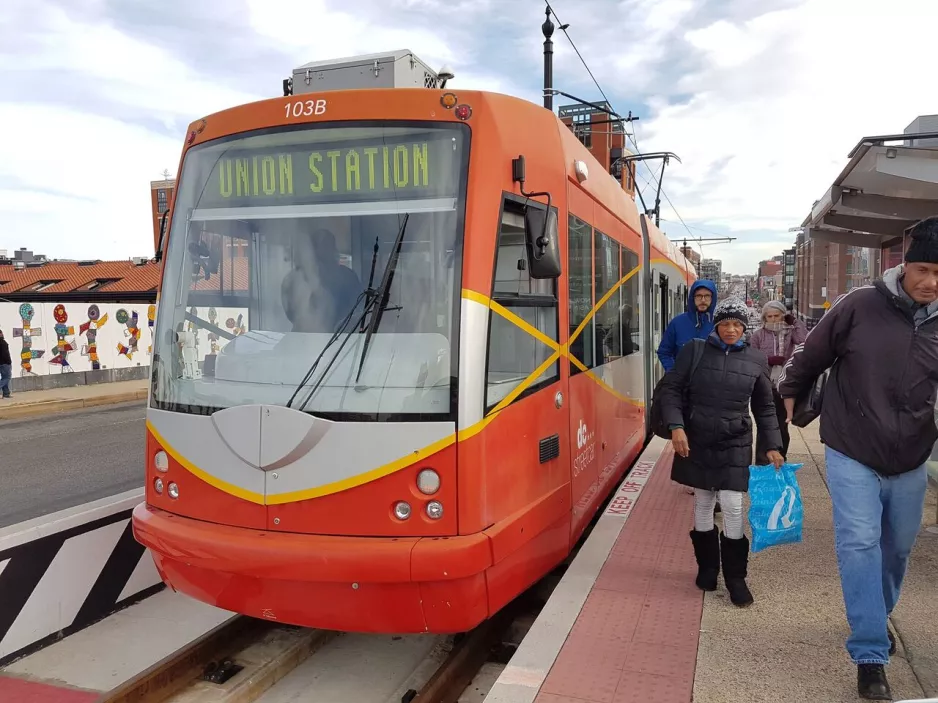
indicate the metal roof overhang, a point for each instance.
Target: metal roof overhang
{"x":882,"y":191}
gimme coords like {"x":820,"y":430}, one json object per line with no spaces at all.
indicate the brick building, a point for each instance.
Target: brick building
{"x":769,"y":278}
{"x":604,"y":136}
{"x":788,"y":277}
{"x":691,"y":255}
{"x":161,"y":195}
{"x":826,"y":270}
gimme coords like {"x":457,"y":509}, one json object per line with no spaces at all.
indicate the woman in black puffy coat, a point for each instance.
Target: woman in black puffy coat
{"x":711,"y":429}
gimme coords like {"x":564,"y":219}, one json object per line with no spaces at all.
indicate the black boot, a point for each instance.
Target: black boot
{"x":735,"y":557}
{"x":707,"y":551}
{"x":872,"y":684}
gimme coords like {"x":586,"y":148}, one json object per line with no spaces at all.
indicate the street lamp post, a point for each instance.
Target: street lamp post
{"x":548,"y":29}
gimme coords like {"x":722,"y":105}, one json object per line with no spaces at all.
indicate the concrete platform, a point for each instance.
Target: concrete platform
{"x":790,"y":643}
{"x":71,"y":398}
{"x":584,"y":647}
{"x":113,"y":650}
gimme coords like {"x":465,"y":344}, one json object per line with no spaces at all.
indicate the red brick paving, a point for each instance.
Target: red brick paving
{"x":13,"y":690}
{"x":636,"y":636}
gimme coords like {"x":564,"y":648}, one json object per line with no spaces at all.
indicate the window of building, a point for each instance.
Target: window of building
{"x":513,"y":353}
{"x":97,"y":283}
{"x":161,"y":201}
{"x":41,"y":285}
{"x":580,"y":287}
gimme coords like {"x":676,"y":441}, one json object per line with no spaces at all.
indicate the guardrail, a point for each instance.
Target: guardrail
{"x":62,"y":572}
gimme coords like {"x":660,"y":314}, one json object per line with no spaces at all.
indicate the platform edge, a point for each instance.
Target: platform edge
{"x":522,"y":678}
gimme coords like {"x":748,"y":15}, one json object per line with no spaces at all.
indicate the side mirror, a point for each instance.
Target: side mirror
{"x":540,"y":234}
{"x":540,"y":229}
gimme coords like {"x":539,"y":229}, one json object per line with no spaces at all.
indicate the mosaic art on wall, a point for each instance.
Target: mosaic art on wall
{"x":27,"y":332}
{"x":132,"y":333}
{"x":56,"y":337}
{"x":151,"y":319}
{"x":90,"y":329}
{"x":62,"y":330}
{"x":212,"y":336}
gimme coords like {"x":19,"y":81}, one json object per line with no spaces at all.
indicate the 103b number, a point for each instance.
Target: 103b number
{"x":306,"y":108}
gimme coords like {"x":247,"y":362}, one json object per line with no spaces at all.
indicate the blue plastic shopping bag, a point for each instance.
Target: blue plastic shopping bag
{"x":776,"y":513}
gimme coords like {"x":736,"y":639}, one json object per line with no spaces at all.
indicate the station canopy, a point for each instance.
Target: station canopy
{"x":890,"y":183}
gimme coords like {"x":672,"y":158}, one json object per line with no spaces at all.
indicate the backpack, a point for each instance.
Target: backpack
{"x":656,"y":421}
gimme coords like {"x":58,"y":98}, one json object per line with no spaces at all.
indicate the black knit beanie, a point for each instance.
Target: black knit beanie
{"x":924,"y":246}
{"x":731,"y":309}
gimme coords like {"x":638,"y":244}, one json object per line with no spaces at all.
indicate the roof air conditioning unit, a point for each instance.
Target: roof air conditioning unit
{"x":386,"y":69}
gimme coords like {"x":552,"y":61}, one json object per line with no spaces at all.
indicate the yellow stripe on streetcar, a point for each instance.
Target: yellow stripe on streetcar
{"x":421,"y":454}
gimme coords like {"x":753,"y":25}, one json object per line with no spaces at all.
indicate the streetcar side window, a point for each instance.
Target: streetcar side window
{"x":580,"y":286}
{"x":515,"y":355}
{"x":608,"y":293}
{"x":628,"y":313}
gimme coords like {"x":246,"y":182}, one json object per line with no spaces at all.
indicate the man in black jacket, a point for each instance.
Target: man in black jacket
{"x":880,"y":343}
{"x":6,"y":367}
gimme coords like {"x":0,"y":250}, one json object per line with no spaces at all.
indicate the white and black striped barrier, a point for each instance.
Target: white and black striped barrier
{"x":62,"y":572}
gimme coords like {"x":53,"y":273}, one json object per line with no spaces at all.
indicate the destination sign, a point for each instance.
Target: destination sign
{"x":422,"y":166}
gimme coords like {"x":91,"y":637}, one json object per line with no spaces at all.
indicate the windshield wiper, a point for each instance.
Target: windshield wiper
{"x":369,"y":291}
{"x":332,"y":340}
{"x":381,"y":295}
{"x":370,"y":295}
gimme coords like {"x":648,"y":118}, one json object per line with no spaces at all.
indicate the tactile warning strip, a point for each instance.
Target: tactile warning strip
{"x":635,"y":638}
{"x":21,"y":691}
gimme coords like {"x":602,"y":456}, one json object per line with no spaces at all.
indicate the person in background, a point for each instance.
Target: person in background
{"x":777,"y":339}
{"x":712,"y":436}
{"x":696,"y":323}
{"x":6,"y":367}
{"x":880,"y":343}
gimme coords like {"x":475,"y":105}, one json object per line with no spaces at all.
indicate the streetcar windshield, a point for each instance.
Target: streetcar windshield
{"x":315,"y":267}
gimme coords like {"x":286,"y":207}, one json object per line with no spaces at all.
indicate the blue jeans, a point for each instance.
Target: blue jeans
{"x":6,"y":372}
{"x":876,"y":522}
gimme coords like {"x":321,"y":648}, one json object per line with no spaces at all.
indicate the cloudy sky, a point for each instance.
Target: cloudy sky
{"x":761,"y":99}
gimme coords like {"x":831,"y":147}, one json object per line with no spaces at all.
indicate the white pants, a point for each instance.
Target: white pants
{"x":731,"y":505}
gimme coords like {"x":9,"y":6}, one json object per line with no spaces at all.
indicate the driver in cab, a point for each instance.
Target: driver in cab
{"x":319,"y":292}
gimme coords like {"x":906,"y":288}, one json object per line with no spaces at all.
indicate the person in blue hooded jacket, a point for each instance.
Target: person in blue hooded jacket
{"x":696,"y":323}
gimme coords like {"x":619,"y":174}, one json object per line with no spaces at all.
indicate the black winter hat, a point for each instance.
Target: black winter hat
{"x":731,"y":309}
{"x":924,"y":246}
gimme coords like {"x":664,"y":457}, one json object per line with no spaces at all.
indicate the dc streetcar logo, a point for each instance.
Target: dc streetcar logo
{"x":582,"y":435}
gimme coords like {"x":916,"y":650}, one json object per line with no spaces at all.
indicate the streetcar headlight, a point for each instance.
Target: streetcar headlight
{"x":173,"y":490}
{"x":161,"y":461}
{"x":158,"y":486}
{"x":428,"y":482}
{"x":402,"y":510}
{"x":434,"y":510}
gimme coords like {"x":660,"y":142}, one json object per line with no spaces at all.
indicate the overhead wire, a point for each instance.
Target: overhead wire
{"x":631,"y":137}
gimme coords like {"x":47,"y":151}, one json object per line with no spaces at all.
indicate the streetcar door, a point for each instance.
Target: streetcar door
{"x":582,"y":343}
{"x":524,"y":386}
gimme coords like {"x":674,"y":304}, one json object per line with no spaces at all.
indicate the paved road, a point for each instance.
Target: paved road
{"x":52,"y":462}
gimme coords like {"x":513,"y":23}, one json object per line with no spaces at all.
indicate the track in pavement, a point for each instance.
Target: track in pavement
{"x":60,"y":460}
{"x":245,"y":660}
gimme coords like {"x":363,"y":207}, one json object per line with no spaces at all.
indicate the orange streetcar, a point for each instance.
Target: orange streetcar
{"x":402,"y":353}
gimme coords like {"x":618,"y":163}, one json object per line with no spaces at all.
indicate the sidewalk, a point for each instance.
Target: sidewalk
{"x":790,"y":644}
{"x":41,"y":402}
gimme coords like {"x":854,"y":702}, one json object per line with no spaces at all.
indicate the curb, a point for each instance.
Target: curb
{"x":58,"y":405}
